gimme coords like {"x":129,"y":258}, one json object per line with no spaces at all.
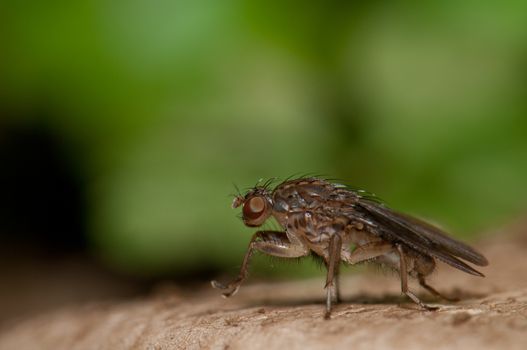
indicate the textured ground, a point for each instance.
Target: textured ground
{"x":492,"y":315}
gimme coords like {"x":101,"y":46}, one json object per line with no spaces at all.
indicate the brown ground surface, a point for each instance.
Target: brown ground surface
{"x":492,"y":315}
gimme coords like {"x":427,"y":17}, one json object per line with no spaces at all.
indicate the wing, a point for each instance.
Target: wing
{"x":421,"y":236}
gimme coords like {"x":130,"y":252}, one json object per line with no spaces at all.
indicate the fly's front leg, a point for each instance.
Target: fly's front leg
{"x":273,"y":243}
{"x":333,"y":262}
{"x":404,"y":280}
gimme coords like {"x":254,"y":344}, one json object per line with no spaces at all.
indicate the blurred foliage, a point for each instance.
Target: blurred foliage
{"x":163,"y":104}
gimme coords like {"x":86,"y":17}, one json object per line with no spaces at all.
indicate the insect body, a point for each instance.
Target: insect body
{"x":344,"y":225}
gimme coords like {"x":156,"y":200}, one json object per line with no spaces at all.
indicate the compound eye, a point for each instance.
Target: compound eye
{"x":254,"y":208}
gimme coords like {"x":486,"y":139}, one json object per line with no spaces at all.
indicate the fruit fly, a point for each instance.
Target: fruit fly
{"x":342,"y":225}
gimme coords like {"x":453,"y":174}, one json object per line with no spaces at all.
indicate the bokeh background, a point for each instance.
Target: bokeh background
{"x":124,"y":124}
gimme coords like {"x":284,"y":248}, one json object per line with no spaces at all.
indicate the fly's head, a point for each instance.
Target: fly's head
{"x":256,"y":206}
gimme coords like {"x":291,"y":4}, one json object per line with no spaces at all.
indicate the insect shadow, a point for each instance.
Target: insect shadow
{"x":361,"y":299}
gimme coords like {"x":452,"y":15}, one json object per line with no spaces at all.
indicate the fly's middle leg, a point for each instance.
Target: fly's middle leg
{"x":273,"y":243}
{"x":336,"y":290}
{"x":332,"y":263}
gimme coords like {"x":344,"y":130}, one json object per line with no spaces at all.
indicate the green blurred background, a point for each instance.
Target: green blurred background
{"x":125,"y":123}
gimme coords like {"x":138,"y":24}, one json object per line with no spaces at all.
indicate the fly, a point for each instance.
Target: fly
{"x":342,"y":225}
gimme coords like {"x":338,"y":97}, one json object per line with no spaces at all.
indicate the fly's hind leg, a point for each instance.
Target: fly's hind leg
{"x":423,"y":266}
{"x":367,"y":251}
{"x":432,"y":290}
{"x":361,"y":253}
{"x":273,"y":243}
{"x":404,"y":280}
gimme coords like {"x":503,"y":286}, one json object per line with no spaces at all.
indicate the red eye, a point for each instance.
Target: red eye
{"x":254,"y":208}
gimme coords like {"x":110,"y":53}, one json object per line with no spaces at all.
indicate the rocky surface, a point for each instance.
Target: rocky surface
{"x":491,"y":315}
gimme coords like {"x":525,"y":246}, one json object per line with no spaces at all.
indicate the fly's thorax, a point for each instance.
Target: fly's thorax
{"x":281,"y":218}
{"x":301,"y":194}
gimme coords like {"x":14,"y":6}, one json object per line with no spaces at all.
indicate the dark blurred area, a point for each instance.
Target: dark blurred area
{"x":43,"y":196}
{"x":44,"y":256}
{"x":124,"y":124}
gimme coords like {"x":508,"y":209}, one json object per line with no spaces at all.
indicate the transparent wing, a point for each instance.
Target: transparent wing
{"x":421,"y":236}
